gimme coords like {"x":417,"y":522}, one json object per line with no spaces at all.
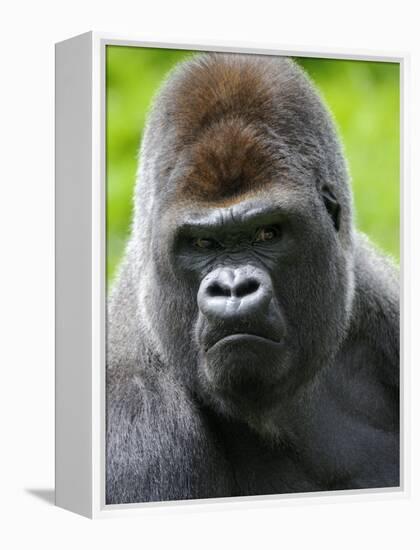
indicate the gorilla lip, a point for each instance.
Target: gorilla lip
{"x":242,"y":337}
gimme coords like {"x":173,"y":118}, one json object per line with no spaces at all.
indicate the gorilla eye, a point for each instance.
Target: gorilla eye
{"x":264,"y":234}
{"x":205,"y":243}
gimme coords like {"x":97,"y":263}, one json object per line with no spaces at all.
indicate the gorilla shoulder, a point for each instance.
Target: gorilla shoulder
{"x":159,"y":444}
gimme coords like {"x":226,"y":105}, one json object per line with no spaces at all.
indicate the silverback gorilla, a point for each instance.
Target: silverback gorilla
{"x":253,"y":334}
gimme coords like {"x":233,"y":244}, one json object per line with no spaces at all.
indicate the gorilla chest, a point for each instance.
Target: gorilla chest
{"x":333,"y":449}
{"x":261,"y":469}
{"x":265,"y":473}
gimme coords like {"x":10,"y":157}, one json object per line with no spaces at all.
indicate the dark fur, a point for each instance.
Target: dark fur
{"x":226,"y":131}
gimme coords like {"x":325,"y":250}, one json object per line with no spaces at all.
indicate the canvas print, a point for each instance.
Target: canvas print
{"x":252,"y":275}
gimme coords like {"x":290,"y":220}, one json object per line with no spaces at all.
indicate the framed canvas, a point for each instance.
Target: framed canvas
{"x":227,"y":275}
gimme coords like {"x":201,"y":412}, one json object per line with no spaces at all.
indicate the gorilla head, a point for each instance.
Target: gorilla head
{"x":241,"y":253}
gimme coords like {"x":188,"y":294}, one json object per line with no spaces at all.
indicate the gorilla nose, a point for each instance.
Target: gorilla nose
{"x":228,"y":293}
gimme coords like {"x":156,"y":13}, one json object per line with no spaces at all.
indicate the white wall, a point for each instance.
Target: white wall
{"x":28,"y":32}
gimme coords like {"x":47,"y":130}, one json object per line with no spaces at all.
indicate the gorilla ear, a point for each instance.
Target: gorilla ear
{"x":332,"y":206}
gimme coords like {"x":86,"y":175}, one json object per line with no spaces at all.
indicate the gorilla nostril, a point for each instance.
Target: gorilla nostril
{"x":246,"y":287}
{"x":215,"y":290}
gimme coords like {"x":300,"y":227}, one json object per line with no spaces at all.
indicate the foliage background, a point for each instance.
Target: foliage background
{"x":363,"y":97}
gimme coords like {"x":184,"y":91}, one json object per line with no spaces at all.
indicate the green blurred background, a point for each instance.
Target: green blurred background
{"x":363,"y":97}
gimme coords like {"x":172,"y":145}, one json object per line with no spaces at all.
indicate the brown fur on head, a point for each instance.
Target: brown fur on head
{"x":215,"y":86}
{"x":222,"y":111}
{"x":229,"y":159}
{"x":237,"y":118}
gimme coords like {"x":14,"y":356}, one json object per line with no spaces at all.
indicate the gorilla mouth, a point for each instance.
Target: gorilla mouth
{"x":242,"y":338}
{"x":242,"y":366}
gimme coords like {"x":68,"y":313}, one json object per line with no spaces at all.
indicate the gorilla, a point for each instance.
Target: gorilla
{"x":253,"y":333}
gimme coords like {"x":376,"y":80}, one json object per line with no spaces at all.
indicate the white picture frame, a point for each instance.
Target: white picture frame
{"x":80,"y":276}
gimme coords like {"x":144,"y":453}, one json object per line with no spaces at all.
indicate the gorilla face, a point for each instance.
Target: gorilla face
{"x":250,"y":285}
{"x":258,"y":299}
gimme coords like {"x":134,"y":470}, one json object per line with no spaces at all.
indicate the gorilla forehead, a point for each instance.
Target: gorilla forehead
{"x":238,"y":123}
{"x":229,"y":159}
